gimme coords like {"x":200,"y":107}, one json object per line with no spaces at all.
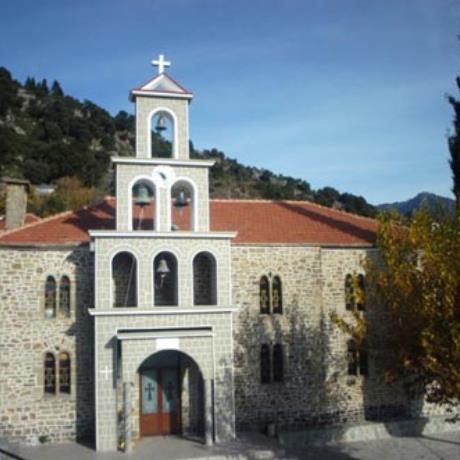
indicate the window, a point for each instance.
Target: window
{"x":265,"y":364}
{"x":264,"y":295}
{"x":278,"y":373}
{"x":357,"y":359}
{"x":64,"y":296}
{"x":165,"y":279}
{"x":204,"y":279}
{"x":349,"y":297}
{"x":355,"y":292}
{"x":270,"y":295}
{"x":361,"y":293}
{"x":64,"y":373}
{"x":50,"y":374}
{"x":124,"y":280}
{"x":277,"y":298}
{"x":50,"y":297}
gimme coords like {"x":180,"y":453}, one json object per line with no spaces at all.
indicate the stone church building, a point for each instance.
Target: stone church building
{"x":160,"y":311}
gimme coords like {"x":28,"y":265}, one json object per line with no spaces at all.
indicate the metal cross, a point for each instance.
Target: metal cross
{"x":106,"y":372}
{"x":161,"y":63}
{"x":149,"y":388}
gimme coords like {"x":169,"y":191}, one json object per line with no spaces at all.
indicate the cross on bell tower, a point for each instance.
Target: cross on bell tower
{"x":161,"y":63}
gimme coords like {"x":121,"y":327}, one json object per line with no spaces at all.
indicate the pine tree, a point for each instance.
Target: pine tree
{"x":454,"y":147}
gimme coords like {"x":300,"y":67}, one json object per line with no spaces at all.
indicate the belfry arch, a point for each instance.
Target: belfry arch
{"x":162,"y":129}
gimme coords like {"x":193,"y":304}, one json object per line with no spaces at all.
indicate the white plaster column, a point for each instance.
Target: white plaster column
{"x":208,"y":423}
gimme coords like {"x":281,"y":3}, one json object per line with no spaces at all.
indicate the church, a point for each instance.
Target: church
{"x":161,"y":311}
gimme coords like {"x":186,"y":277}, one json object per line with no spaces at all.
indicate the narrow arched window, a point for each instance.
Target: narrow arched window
{"x":64,"y":373}
{"x":277,"y":296}
{"x":124,"y":280}
{"x":64,"y":296}
{"x":265,"y":364}
{"x":143,"y":206}
{"x":264,"y":295}
{"x":363,"y":363}
{"x":357,"y":358}
{"x":278,"y":370}
{"x":349,"y":295}
{"x":165,"y":279}
{"x":50,"y":297}
{"x":183,"y":206}
{"x":361,"y":293}
{"x":204,"y":279}
{"x":49,"y":374}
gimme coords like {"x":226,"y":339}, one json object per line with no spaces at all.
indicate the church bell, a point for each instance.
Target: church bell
{"x":142,"y":195}
{"x":161,"y":124}
{"x":180,"y":200}
{"x":163,"y":268}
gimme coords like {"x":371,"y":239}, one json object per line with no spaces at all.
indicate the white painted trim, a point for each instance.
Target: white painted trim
{"x":131,"y":185}
{"x":96,"y":379}
{"x":170,"y":95}
{"x":218,"y":290}
{"x":153,"y":335}
{"x":195,"y":201}
{"x":157,"y":311}
{"x":162,"y":161}
{"x":136,"y":256}
{"x":158,"y":235}
{"x":152,"y":274}
{"x":175,"y":127}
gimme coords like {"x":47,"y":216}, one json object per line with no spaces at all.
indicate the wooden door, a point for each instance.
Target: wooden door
{"x":160,"y":401}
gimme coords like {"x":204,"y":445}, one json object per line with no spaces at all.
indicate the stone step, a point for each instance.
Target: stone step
{"x":368,"y":431}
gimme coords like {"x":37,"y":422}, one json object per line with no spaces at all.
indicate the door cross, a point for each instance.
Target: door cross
{"x":106,"y":372}
{"x":149,"y":388}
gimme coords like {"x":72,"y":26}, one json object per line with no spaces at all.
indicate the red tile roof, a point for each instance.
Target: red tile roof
{"x":256,"y":221}
{"x":29,"y":219}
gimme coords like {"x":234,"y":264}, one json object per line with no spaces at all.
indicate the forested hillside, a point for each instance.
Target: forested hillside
{"x":49,"y":137}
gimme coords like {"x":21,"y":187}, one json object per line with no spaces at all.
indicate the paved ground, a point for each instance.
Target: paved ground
{"x":437,"y":447}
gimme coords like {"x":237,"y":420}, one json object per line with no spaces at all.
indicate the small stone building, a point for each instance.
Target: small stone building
{"x":161,"y":311}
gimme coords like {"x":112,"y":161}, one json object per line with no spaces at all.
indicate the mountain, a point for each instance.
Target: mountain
{"x":49,"y":137}
{"x":432,"y":201}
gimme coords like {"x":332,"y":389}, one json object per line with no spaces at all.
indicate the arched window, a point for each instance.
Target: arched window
{"x":64,"y":373}
{"x":162,"y":135}
{"x":357,"y":359}
{"x":182,"y":206}
{"x":49,"y":374}
{"x":265,"y":364}
{"x":277,"y":296}
{"x":124,"y":280}
{"x":64,"y":296}
{"x":165,"y":279}
{"x":264,"y":295}
{"x":50,"y":297}
{"x":278,"y":371}
{"x":204,"y":279}
{"x":143,"y":205}
{"x":361,"y":293}
{"x":349,"y":295}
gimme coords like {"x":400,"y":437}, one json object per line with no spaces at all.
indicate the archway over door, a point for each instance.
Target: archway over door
{"x":170,"y":395}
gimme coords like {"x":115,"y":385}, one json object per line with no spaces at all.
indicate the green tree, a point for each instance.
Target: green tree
{"x":454,"y":147}
{"x":413,"y":304}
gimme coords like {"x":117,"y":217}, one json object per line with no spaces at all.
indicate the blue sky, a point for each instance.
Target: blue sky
{"x":346,"y":93}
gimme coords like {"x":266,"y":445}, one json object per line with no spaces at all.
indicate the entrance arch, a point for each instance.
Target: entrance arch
{"x":171,"y":395}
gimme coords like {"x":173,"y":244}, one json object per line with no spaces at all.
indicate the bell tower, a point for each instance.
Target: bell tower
{"x":162,"y":283}
{"x":162,"y":189}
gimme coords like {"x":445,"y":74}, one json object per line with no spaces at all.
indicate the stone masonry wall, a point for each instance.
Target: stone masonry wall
{"x":316,"y":388}
{"x":26,"y":413}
